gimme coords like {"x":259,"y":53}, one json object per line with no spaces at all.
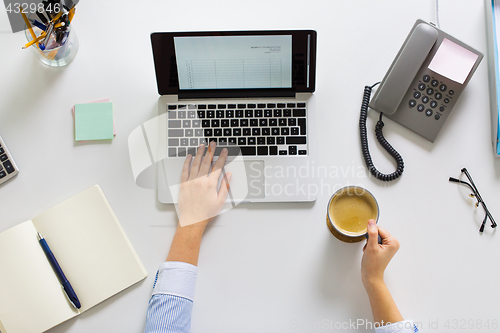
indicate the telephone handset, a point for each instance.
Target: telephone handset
{"x":420,"y":88}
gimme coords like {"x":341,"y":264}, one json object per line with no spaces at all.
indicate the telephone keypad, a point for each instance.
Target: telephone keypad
{"x":443,"y":87}
{"x":427,"y":78}
{"x":425,"y":99}
{"x":417,"y":94}
{"x":412,"y":103}
{"x":434,"y":83}
{"x":430,"y":91}
{"x":421,"y":86}
{"x":420,"y":107}
{"x":434,"y":104}
{"x":428,"y":112}
{"x":438,"y":95}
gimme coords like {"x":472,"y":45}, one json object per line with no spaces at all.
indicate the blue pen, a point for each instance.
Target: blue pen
{"x":39,"y":25}
{"x":60,"y":274}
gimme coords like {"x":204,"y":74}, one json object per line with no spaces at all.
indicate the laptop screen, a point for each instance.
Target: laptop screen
{"x":235,"y":63}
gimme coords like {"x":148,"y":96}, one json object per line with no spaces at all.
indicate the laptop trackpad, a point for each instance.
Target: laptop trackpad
{"x":247,"y":181}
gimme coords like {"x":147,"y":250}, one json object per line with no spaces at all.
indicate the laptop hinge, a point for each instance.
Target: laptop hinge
{"x":257,"y":93}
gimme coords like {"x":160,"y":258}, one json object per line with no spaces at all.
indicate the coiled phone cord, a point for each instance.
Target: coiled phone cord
{"x":380,"y":137}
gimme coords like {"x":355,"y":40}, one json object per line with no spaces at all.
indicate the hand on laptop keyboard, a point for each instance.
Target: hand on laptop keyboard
{"x":199,"y":200}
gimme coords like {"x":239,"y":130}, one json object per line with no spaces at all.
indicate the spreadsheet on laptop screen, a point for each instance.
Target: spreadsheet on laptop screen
{"x":234,"y":62}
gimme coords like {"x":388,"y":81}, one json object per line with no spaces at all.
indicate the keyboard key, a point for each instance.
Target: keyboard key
{"x":294,"y":131}
{"x":263,"y":122}
{"x":273,"y":122}
{"x":271,"y":105}
{"x":268,"y":113}
{"x":217,"y":131}
{"x":207,"y":132}
{"x":229,"y":113}
{"x":266,"y":131}
{"x":223,"y":141}
{"x":261,"y":140}
{"x":191,"y":114}
{"x":290,"y":105}
{"x":242,"y":141}
{"x":212,"y":106}
{"x":231,"y":141}
{"x":247,"y":131}
{"x":181,"y":114}
{"x":192,"y":151}
{"x":215,"y":123}
{"x":280,"y":140}
{"x":295,"y":140}
{"x":174,"y":124}
{"x":186,"y":123}
{"x":292,"y":122}
{"x":302,"y":126}
{"x":251,"y":106}
{"x":172,"y":107}
{"x":201,"y":114}
{"x":172,"y":152}
{"x":281,"y":105}
{"x":196,"y":123}
{"x":172,"y":115}
{"x":275,"y":131}
{"x":258,"y":113}
{"x":252,"y":141}
{"x":299,"y":112}
{"x":242,"y":106}
{"x":287,"y":112}
{"x":256,"y":131}
{"x":301,"y":105}
{"x":198,"y":132}
{"x":224,"y":123}
{"x":173,"y":142}
{"x":193,"y":142}
{"x":249,"y":113}
{"x":238,"y":113}
{"x":202,"y":106}
{"x":235,"y":122}
{"x":175,"y":133}
{"x":182,"y":152}
{"x":282,"y":122}
{"x":220,"y":113}
{"x":210,"y":114}
{"x":302,"y":152}
{"x":283,"y":152}
{"x":292,"y":150}
{"x":273,"y":150}
{"x":227,"y":132}
{"x":277,"y":113}
{"x":262,"y":150}
{"x":221,"y":106}
{"x":184,"y":142}
{"x":234,"y":151}
{"x":285,"y":131}
{"x":212,"y":140}
{"x":261,"y":105}
{"x":205,"y":123}
{"x":254,"y":122}
{"x":271,"y":140}
{"x":231,"y":106}
{"x":188,"y":132}
{"x":244,"y":122}
{"x":237,"y":132}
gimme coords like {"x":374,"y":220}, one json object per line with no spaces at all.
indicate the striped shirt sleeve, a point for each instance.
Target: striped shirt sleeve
{"x":170,"y":306}
{"x":407,"y":326}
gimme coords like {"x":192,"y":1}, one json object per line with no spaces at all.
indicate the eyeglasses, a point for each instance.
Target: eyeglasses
{"x":475,"y":194}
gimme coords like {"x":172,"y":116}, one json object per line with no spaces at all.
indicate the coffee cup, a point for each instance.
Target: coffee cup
{"x":348,"y":212}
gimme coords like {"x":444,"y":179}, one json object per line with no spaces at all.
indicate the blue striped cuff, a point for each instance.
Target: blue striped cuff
{"x":176,"y":278}
{"x":406,"y":326}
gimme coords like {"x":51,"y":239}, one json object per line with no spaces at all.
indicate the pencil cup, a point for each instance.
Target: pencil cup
{"x":57,"y":53}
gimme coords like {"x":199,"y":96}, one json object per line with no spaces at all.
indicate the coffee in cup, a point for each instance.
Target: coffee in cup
{"x":348,"y":212}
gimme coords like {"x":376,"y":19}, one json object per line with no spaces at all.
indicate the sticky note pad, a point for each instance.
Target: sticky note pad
{"x":94,"y":121}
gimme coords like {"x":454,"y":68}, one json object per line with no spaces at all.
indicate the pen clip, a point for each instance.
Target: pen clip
{"x":65,"y":293}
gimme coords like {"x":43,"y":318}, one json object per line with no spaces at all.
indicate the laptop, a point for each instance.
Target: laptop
{"x":252,"y":93}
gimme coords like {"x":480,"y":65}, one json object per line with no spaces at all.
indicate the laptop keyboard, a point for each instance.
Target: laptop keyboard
{"x":254,"y":129}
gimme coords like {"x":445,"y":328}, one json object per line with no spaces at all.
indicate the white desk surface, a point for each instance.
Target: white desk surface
{"x":268,"y":267}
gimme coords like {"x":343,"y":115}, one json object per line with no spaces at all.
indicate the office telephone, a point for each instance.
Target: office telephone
{"x":420,"y":89}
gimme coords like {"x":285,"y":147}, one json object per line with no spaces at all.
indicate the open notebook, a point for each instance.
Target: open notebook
{"x":90,"y":246}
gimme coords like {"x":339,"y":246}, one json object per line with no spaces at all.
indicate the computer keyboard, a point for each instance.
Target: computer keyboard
{"x":8,"y":168}
{"x":254,"y":129}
